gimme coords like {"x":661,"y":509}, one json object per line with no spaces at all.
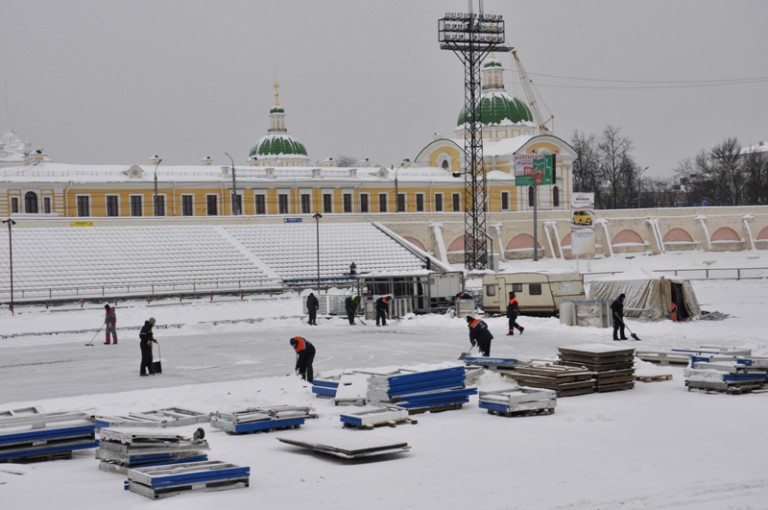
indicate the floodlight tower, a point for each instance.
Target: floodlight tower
{"x":471,"y":36}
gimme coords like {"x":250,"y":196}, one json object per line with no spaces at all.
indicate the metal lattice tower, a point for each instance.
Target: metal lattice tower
{"x":471,"y":36}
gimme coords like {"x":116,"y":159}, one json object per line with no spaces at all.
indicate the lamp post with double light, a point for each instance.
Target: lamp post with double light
{"x":317,"y":217}
{"x":155,"y":205}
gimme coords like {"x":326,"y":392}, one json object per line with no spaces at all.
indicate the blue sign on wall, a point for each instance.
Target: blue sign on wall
{"x":292,"y":220}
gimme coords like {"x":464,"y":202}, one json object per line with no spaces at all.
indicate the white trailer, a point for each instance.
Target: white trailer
{"x":539,"y":293}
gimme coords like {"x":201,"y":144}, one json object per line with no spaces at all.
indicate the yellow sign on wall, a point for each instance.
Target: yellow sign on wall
{"x":81,"y":224}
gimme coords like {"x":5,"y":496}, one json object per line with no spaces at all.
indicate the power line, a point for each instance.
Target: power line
{"x":649,"y":87}
{"x":667,"y":82}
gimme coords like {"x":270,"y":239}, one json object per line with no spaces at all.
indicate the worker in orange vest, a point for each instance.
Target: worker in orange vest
{"x":479,"y":335}
{"x":382,"y":310}
{"x":513,"y":311}
{"x":305,"y":352}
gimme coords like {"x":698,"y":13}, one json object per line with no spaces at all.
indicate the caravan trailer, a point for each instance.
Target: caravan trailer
{"x":539,"y":293}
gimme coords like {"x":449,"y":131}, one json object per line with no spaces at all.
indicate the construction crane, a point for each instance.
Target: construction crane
{"x":528,"y":88}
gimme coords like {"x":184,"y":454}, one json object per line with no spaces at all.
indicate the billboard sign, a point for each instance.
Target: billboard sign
{"x":582,"y":224}
{"x":533,"y":169}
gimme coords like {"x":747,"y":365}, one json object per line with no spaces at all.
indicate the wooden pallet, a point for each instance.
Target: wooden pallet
{"x":653,"y":378}
{"x":39,"y":458}
{"x":436,"y":409}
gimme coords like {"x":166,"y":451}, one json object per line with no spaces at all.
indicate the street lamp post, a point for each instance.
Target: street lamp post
{"x":155,"y":206}
{"x":10,"y":223}
{"x":235,"y":205}
{"x":397,"y":188}
{"x":317,"y":217}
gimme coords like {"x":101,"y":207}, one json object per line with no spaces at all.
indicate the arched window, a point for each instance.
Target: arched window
{"x":30,"y":202}
{"x":531,"y":196}
{"x":555,"y":196}
{"x":445,"y":164}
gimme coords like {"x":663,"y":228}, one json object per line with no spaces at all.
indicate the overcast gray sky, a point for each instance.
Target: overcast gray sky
{"x":106,"y":81}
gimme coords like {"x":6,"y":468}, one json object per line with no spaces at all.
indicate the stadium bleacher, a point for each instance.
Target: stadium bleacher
{"x":55,"y":262}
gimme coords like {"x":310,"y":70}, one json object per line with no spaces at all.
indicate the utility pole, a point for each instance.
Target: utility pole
{"x":235,"y":205}
{"x":317,"y":217}
{"x":10,"y":223}
{"x":155,"y":206}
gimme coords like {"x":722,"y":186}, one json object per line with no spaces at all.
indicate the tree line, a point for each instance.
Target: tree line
{"x":722,"y":175}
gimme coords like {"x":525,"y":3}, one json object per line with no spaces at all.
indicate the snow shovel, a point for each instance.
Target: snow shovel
{"x":634,"y":336}
{"x":466,"y":354}
{"x":157,"y":366}
{"x":90,"y":344}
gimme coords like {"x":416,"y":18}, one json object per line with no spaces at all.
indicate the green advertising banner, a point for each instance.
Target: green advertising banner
{"x":534,"y":169}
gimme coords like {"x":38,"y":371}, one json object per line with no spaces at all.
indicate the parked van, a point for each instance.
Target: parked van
{"x":539,"y":293}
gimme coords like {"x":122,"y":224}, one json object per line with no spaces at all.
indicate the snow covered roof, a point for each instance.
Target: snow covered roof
{"x":65,"y":172}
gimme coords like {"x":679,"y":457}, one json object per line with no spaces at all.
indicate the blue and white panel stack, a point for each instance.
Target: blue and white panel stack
{"x":261,"y":419}
{"x":422,"y":391}
{"x":519,"y":401}
{"x":120,"y":451}
{"x":325,"y":387}
{"x":162,"y":481}
{"x":734,"y":376}
{"x":46,"y":435}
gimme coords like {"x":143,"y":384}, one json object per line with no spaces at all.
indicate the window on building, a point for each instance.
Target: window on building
{"x":187,"y":205}
{"x":438,"y":202}
{"x":401,"y":202}
{"x":505,"y":200}
{"x":327,"y":202}
{"x":260,"y":204}
{"x":113,"y":207}
{"x":456,"y":202}
{"x":364,"y":202}
{"x":14,"y":204}
{"x":531,"y":196}
{"x":137,"y":205}
{"x":306,"y":203}
{"x":212,"y":205}
{"x":83,"y":205}
{"x":30,"y":202}
{"x":347,"y":202}
{"x":419,"y":202}
{"x":446,"y":165}
{"x":282,"y":204}
{"x":555,"y":196}
{"x":159,"y":205}
{"x":47,"y":205}
{"x":382,"y":202}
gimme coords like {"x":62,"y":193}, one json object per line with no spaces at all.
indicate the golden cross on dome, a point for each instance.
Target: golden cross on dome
{"x":277,"y":93}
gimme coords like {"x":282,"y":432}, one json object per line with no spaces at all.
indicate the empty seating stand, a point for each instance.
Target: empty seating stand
{"x":106,"y":261}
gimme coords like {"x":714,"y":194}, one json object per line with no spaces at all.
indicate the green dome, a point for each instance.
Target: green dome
{"x":498,"y":107}
{"x":281,"y":144}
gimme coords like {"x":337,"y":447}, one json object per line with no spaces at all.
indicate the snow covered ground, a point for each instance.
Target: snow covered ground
{"x":656,"y":446}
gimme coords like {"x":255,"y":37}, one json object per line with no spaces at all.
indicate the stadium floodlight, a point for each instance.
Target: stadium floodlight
{"x":472,"y":36}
